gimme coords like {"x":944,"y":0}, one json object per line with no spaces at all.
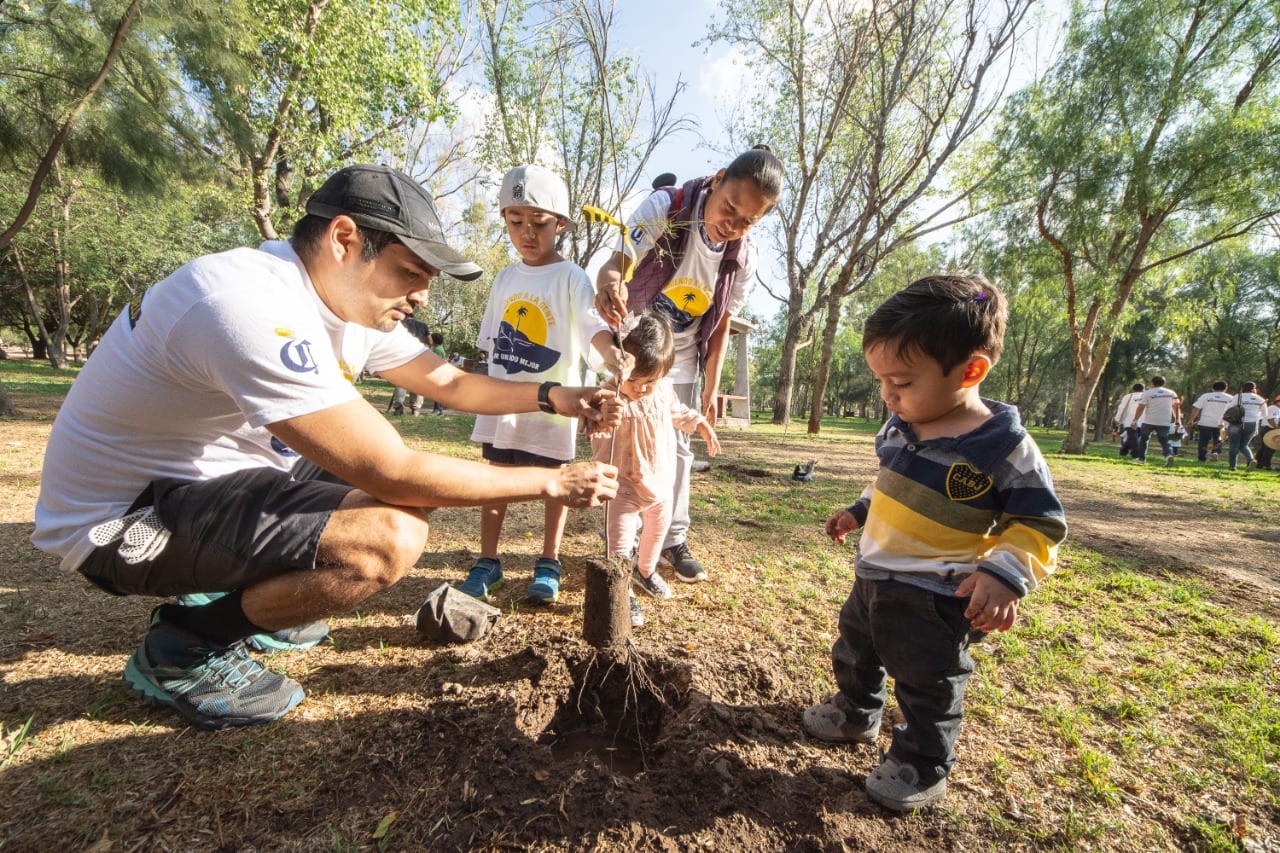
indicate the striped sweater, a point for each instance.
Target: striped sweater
{"x":943,"y":508}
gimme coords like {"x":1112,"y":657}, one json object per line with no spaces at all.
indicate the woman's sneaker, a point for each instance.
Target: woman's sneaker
{"x":896,"y":785}
{"x":653,"y":585}
{"x":212,"y":686}
{"x":687,"y":567}
{"x":485,"y":578}
{"x":297,"y":639}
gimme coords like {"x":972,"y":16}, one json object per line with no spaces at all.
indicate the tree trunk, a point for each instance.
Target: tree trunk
{"x":1078,"y":412}
{"x":606,"y":611}
{"x":7,"y":409}
{"x":791,"y":346}
{"x":829,"y":330}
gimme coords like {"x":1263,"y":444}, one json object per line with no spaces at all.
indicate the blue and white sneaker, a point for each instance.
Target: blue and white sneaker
{"x":212,"y":686}
{"x":296,"y":639}
{"x":485,"y":578}
{"x":545,"y":588}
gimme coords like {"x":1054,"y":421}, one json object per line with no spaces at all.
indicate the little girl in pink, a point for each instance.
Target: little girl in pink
{"x":643,"y":448}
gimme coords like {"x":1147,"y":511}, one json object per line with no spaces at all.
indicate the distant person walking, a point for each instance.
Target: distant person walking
{"x":1158,"y":412}
{"x":1206,"y":417}
{"x":1239,"y":435}
{"x":1270,"y":422}
{"x":1125,"y":421}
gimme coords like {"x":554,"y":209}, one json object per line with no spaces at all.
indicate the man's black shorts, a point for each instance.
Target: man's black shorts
{"x":226,"y":533}
{"x":523,"y":458}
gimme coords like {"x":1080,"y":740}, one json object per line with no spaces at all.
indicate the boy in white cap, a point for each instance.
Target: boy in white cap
{"x":539,"y":325}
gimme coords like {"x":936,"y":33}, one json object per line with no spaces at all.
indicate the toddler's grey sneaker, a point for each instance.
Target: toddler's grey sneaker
{"x":829,"y":721}
{"x":653,"y":585}
{"x":897,"y":786}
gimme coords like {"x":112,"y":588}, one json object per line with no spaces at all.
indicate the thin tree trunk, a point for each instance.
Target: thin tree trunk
{"x":829,"y":330}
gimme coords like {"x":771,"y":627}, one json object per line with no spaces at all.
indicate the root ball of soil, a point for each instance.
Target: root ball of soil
{"x":606,"y":616}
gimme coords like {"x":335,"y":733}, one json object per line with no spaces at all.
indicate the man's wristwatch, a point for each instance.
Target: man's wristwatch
{"x":544,"y":397}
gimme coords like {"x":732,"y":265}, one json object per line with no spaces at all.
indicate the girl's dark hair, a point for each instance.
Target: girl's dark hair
{"x":653,"y":345}
{"x":947,"y":318}
{"x":308,"y":231}
{"x":759,"y":165}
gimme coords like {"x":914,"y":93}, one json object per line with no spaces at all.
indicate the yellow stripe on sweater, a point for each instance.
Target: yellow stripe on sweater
{"x":896,"y":528}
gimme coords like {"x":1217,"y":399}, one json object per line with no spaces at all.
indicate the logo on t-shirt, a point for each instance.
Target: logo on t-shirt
{"x":964,"y":482}
{"x":520,"y":346}
{"x":296,"y":355}
{"x":683,"y":301}
{"x":283,"y":449}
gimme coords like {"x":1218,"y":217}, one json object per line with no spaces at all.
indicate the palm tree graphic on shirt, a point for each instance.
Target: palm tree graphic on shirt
{"x":520,"y":345}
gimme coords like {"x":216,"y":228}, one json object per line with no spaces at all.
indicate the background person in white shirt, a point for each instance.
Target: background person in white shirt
{"x":1270,"y":422}
{"x":1239,"y":435}
{"x":1206,"y":417}
{"x":1125,"y":423}
{"x":1158,"y":412}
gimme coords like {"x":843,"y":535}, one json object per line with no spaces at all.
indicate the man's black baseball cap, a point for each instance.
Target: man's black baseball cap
{"x":385,"y":199}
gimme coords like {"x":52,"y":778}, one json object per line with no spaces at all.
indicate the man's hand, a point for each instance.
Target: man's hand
{"x":841,"y":524}
{"x":611,"y":300}
{"x":599,"y":407}
{"x":584,"y":484}
{"x":992,"y":605}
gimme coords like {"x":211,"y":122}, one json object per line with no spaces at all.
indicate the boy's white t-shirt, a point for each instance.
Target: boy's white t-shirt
{"x":226,"y":345}
{"x":689,"y":293}
{"x":537,"y":327}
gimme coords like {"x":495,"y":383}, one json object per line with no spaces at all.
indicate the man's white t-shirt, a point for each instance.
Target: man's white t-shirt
{"x":538,"y":327}
{"x":1128,"y":409}
{"x":225,"y":346}
{"x":1159,"y":406}
{"x":689,"y":293}
{"x":1273,"y":415}
{"x":1211,"y":405}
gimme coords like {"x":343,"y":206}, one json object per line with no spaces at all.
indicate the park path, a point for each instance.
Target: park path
{"x":1182,"y":522}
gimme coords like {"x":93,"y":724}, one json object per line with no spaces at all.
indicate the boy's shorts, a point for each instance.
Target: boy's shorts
{"x":226,"y":533}
{"x":522,"y":458}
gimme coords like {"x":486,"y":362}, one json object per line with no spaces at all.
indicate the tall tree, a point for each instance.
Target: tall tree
{"x":293,"y":88}
{"x":84,"y":99}
{"x":1230,"y":322}
{"x":1152,"y":138}
{"x":58,"y":94}
{"x":864,"y":105}
{"x":565,"y":97}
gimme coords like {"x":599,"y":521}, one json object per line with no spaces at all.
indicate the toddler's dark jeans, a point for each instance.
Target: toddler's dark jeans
{"x":922,"y":639}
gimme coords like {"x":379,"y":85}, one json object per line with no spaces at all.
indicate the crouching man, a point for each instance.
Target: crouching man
{"x":173,"y":467}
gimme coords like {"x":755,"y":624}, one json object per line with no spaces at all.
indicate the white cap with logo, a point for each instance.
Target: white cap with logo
{"x":538,"y":187}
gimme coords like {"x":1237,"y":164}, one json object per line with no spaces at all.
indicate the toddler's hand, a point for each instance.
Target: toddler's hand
{"x":841,"y":524}
{"x":710,"y":437}
{"x":992,"y":605}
